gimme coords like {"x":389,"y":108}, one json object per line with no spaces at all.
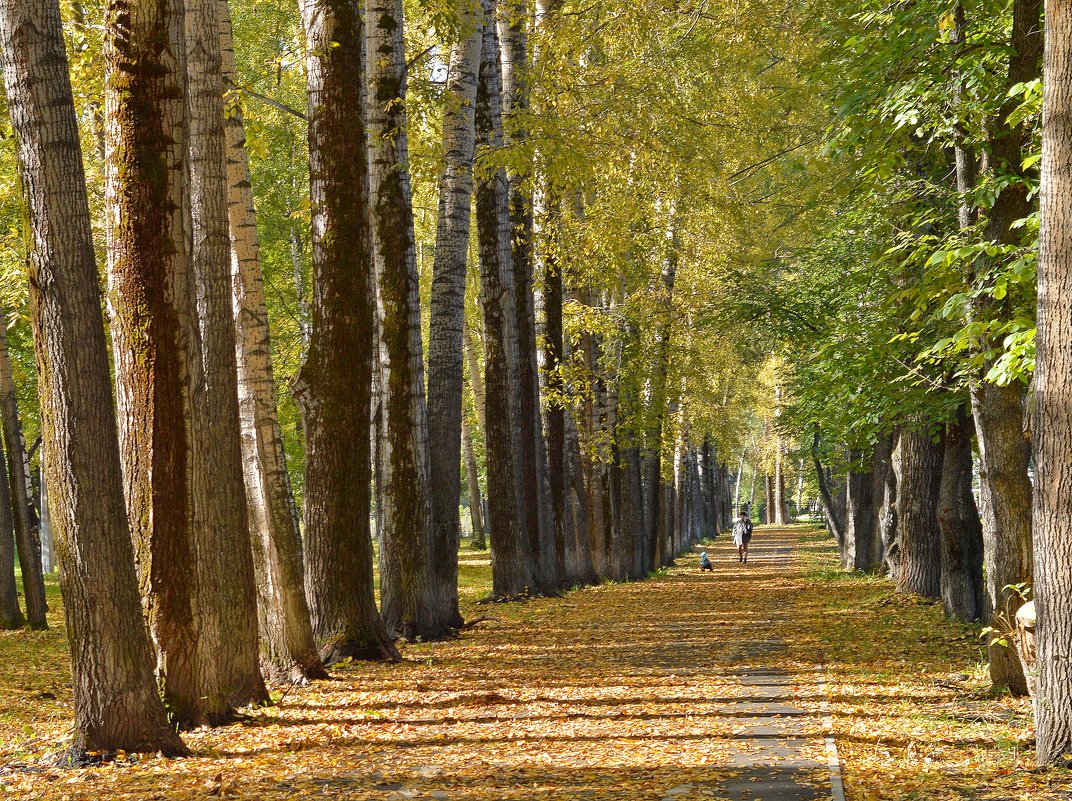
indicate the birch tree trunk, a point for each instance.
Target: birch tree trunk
{"x":116,"y":704}
{"x":27,"y":531}
{"x":228,"y":599}
{"x":511,"y":548}
{"x":445,"y":352}
{"x":288,"y":647}
{"x":1053,"y":394}
{"x":423,"y":610}
{"x":336,"y":376}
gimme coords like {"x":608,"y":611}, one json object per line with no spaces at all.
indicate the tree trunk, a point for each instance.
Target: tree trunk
{"x":228,"y":600}
{"x":472,"y":474}
{"x":958,"y":521}
{"x":424,"y":610}
{"x":27,"y":532}
{"x":779,"y":486}
{"x":116,"y":704}
{"x":834,"y":523}
{"x":917,"y":505}
{"x":336,"y":377}
{"x":511,"y":545}
{"x":998,"y":411}
{"x":512,"y":18}
{"x":155,"y":335}
{"x":888,"y":510}
{"x":1053,"y":395}
{"x":445,"y":386}
{"x":288,"y":647}
{"x":860,"y":513}
{"x":10,"y":613}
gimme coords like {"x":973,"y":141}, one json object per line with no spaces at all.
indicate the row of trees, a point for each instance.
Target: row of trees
{"x":910,"y":321}
{"x":605,"y":432}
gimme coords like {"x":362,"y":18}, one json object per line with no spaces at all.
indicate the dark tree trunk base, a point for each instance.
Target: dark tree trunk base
{"x":380,"y":651}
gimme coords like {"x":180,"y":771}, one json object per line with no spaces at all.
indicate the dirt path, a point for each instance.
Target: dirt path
{"x":676,"y":688}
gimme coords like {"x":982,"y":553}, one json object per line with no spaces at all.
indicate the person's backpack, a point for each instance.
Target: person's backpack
{"x":748,"y":527}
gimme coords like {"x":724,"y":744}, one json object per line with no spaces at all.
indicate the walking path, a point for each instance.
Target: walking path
{"x":679,"y":688}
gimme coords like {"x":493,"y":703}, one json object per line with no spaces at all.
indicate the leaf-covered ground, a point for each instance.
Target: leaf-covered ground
{"x":631,"y":691}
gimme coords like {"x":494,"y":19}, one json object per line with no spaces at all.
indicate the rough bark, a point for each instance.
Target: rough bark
{"x":511,"y":546}
{"x":154,"y":334}
{"x":116,"y":705}
{"x":512,"y":19}
{"x":27,"y":527}
{"x":860,"y":512}
{"x":918,"y":483}
{"x":1053,"y":396}
{"x":998,"y":411}
{"x":445,"y":385}
{"x":336,"y":377}
{"x":415,"y":612}
{"x":228,"y":598}
{"x":959,"y":524}
{"x":288,"y":648}
{"x":10,"y":613}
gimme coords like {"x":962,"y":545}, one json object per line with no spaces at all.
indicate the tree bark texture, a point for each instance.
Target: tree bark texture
{"x":228,"y":603}
{"x":998,"y":411}
{"x":512,"y":19}
{"x":154,"y":334}
{"x":116,"y":704}
{"x":336,"y":377}
{"x":27,"y":525}
{"x":445,"y":356}
{"x":10,"y":614}
{"x":511,"y":547}
{"x":859,"y":513}
{"x":961,"y":529}
{"x":917,"y":505}
{"x":1053,"y":396}
{"x":407,"y":506}
{"x":288,"y":647}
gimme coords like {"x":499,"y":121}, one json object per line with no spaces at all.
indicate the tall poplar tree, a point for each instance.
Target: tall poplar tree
{"x":336,"y":377}
{"x":408,"y":589}
{"x":116,"y":704}
{"x":228,"y":604}
{"x":445,"y":385}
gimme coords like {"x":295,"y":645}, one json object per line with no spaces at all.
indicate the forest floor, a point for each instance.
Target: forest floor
{"x":648,"y":690}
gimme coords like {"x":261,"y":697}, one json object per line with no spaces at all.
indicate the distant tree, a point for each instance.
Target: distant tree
{"x":21,"y":498}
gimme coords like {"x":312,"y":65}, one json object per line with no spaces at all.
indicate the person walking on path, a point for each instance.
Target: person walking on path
{"x":742,"y":533}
